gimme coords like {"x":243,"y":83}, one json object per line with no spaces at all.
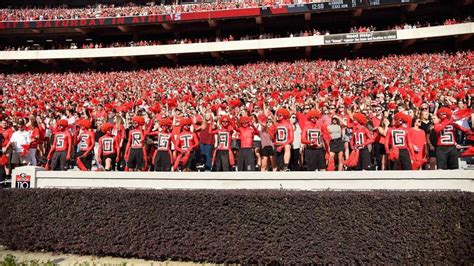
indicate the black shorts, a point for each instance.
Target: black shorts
{"x":268,"y":151}
{"x":364,"y":160}
{"x":136,"y":159}
{"x":221,"y":161}
{"x":315,"y":158}
{"x":86,"y":161}
{"x":112,"y":157}
{"x":162,"y":161}
{"x":432,"y":153}
{"x":379,"y":149}
{"x":404,"y":159}
{"x":336,"y":145}
{"x":447,"y":157}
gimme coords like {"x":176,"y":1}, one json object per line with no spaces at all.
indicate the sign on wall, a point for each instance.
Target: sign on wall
{"x":23,"y":181}
{"x":360,"y":37}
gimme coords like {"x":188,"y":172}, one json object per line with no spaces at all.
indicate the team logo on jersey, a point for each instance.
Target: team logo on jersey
{"x":60,"y":141}
{"x":163,"y":141}
{"x":137,"y":139}
{"x":223,"y":140}
{"x":359,"y":138}
{"x":186,"y":140}
{"x":282,"y":134}
{"x":83,"y":142}
{"x":107,"y":145}
{"x":314,"y":135}
{"x":398,"y":138}
{"x":447,"y":135}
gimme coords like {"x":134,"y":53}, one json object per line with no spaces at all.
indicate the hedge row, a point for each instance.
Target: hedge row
{"x":265,"y":227}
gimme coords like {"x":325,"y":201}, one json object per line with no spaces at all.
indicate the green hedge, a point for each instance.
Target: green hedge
{"x":242,"y":226}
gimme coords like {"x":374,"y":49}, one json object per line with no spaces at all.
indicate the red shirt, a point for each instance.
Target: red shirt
{"x":446,"y":132}
{"x":7,"y":135}
{"x":108,"y":145}
{"x":376,"y":122}
{"x":35,"y":135}
{"x":360,"y":137}
{"x":315,"y":135}
{"x":282,"y":133}
{"x":418,"y":138}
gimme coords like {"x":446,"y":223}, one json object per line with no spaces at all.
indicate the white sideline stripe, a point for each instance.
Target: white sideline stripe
{"x":176,"y":49}
{"x":462,"y":180}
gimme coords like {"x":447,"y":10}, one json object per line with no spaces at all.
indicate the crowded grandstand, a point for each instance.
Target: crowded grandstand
{"x":360,"y":95}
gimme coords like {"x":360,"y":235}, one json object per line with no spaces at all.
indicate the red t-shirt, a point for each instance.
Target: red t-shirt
{"x":7,"y":135}
{"x":418,"y":138}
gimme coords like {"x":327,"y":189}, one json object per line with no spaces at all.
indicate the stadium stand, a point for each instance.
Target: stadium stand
{"x":379,"y":111}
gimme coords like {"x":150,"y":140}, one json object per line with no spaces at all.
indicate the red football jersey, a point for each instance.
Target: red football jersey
{"x":360,"y":136}
{"x":446,"y":132}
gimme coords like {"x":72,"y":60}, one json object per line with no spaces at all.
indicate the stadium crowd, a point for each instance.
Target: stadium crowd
{"x":101,"y":10}
{"x":396,"y":112}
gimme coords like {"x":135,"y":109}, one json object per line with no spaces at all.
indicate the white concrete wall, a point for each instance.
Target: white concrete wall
{"x":462,"y":180}
{"x":431,"y":32}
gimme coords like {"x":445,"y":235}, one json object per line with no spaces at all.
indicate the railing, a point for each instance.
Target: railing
{"x":177,"y":49}
{"x":36,"y":177}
